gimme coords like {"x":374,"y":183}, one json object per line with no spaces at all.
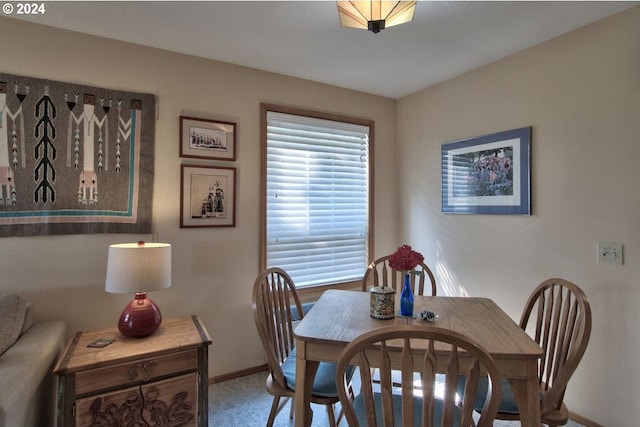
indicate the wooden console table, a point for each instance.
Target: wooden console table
{"x":160,"y":380}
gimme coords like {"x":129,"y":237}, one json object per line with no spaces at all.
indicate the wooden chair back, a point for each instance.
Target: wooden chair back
{"x":421,"y":349}
{"x":558,"y":315}
{"x":274,"y":294}
{"x":379,"y":273}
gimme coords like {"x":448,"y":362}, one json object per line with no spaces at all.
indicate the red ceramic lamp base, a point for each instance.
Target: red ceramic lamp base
{"x":140,"y":318}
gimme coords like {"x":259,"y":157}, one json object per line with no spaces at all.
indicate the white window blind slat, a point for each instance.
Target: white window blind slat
{"x":317,"y":198}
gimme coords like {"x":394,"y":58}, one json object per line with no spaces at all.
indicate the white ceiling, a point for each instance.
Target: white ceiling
{"x":304,"y":38}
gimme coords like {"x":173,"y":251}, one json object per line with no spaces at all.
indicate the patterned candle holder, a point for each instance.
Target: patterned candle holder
{"x":382,"y":302}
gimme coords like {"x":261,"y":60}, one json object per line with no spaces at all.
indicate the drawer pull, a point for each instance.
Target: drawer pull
{"x":145,"y":369}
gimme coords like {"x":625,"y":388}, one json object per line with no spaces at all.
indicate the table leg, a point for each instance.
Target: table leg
{"x":526,"y":393}
{"x":305,"y":374}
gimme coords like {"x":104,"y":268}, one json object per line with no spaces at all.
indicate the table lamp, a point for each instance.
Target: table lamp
{"x":139,"y":268}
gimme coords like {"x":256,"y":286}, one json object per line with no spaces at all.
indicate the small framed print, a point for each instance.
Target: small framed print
{"x":207,"y":196}
{"x":207,"y":139}
{"x":488,"y":174}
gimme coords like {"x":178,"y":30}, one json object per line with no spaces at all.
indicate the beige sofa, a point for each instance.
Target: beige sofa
{"x":28,"y":354}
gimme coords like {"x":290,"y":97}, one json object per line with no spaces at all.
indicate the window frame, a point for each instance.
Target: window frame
{"x":264,"y":108}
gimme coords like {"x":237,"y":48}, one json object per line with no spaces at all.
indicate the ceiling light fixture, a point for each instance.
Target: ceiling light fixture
{"x":375,"y":15}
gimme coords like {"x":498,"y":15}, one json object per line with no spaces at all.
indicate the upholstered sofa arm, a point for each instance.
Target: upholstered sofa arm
{"x":27,"y":395}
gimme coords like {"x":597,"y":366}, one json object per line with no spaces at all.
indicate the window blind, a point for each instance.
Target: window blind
{"x":317,"y":198}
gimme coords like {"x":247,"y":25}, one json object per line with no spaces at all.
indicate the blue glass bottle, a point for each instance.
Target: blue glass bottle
{"x":406,"y":298}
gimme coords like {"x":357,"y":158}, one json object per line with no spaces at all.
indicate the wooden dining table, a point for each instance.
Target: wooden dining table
{"x":338,"y":317}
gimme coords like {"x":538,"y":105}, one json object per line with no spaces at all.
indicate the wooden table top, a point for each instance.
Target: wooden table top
{"x":338,"y":317}
{"x":341,"y":316}
{"x":181,"y":333}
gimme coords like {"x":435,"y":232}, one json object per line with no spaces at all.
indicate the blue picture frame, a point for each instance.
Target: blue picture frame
{"x":489,"y":174}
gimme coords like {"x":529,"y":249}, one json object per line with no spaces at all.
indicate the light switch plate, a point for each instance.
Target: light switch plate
{"x":610,"y":253}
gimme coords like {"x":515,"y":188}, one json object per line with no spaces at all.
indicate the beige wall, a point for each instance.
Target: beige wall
{"x":213,"y":269}
{"x":581,"y":94}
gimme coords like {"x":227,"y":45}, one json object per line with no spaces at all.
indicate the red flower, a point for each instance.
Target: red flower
{"x":405,"y":259}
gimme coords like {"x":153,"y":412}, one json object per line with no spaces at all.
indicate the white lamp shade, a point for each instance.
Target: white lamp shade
{"x":138,"y":267}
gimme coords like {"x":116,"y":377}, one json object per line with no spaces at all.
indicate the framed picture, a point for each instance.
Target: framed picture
{"x":488,"y":174}
{"x":207,"y":196}
{"x":207,"y":139}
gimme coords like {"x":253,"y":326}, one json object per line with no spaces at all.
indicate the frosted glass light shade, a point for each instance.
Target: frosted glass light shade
{"x":138,"y":267}
{"x":375,"y":15}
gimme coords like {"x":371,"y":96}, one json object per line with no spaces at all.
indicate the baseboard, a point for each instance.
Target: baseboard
{"x":238,"y":374}
{"x":584,"y":421}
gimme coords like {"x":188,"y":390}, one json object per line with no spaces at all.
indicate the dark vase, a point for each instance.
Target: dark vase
{"x":406,"y":298}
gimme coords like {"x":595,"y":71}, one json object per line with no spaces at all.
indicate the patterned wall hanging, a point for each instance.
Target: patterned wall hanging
{"x":74,"y":159}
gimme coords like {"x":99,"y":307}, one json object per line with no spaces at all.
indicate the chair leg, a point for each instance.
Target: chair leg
{"x":331,"y":416}
{"x":276,"y":407}
{"x":274,"y":411}
{"x":292,"y":409}
{"x":340,"y":415}
{"x":352,"y":396}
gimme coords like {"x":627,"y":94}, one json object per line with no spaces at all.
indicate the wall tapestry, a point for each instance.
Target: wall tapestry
{"x":74,"y":159}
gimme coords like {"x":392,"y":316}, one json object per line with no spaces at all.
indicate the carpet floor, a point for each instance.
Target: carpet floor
{"x":245,"y":402}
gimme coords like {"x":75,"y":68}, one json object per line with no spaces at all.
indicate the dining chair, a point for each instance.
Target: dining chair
{"x":558,"y":316}
{"x":378,"y":273}
{"x":426,"y":350}
{"x":275,"y":302}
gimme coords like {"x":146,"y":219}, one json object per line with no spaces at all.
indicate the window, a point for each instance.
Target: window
{"x":316,"y":195}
